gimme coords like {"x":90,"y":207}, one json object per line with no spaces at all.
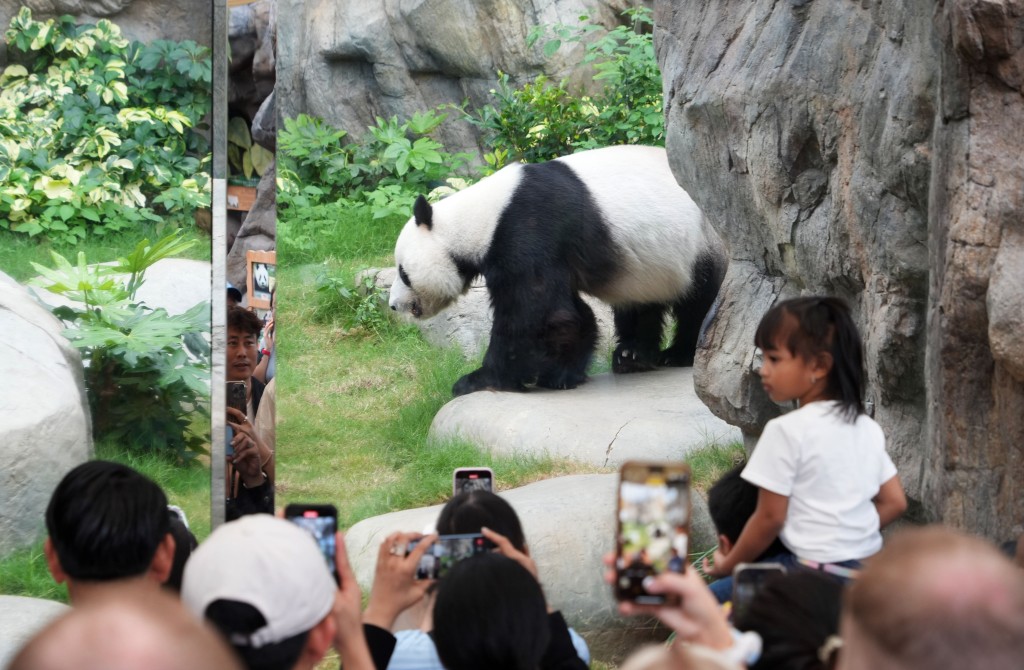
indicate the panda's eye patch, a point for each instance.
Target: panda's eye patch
{"x":404,"y":277}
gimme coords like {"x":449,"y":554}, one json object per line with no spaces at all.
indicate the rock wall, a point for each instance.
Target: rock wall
{"x":143,"y":20}
{"x":349,"y":61}
{"x":869,"y":150}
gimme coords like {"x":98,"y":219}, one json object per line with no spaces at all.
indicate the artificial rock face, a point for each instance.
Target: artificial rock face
{"x":869,"y":150}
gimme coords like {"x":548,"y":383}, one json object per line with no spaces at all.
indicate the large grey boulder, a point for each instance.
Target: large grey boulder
{"x":349,"y":61}
{"x":44,"y":414}
{"x":569,"y":524}
{"x":609,"y":420}
{"x":20,"y":619}
{"x":870,"y":151}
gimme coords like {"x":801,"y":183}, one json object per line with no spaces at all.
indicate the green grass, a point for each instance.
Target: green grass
{"x":24,"y":572}
{"x":18,"y":252}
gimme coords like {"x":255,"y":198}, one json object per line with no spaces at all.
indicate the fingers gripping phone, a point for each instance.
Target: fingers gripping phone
{"x":653,"y":526}
{"x":747,"y":580}
{"x":322,"y":522}
{"x":472,"y":479}
{"x":446,"y":551}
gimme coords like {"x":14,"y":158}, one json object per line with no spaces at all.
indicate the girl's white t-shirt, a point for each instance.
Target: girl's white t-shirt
{"x":830,"y":470}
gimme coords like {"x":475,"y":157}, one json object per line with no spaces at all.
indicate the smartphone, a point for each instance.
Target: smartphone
{"x":747,"y":580}
{"x":472,"y":479}
{"x":236,"y":396}
{"x":446,"y":551}
{"x":322,"y":522}
{"x":653,"y":528}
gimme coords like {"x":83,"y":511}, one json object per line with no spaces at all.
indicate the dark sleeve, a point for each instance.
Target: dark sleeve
{"x":381,"y":643}
{"x":258,"y":500}
{"x":560,"y":654}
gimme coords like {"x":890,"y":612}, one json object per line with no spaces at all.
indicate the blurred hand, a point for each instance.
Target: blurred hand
{"x":349,"y":639}
{"x":696,"y":617}
{"x":718,"y":567}
{"x":395,"y":586}
{"x":247,"y":457}
{"x":507,"y":549}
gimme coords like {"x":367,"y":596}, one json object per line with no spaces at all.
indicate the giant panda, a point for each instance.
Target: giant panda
{"x":610,"y":222}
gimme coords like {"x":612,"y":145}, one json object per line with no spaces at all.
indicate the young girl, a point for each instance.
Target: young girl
{"x":826,"y":484}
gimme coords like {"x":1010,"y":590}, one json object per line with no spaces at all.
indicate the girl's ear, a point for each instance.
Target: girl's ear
{"x":823,"y":363}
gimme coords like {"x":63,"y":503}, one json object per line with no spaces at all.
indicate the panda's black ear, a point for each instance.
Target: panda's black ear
{"x":423,"y":213}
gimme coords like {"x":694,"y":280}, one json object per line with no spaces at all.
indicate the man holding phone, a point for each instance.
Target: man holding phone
{"x":250,"y":471}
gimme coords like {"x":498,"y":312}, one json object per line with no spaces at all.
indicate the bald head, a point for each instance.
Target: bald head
{"x":935,"y":598}
{"x":126,"y":629}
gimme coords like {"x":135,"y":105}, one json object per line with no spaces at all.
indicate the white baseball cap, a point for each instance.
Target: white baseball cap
{"x":268,"y":563}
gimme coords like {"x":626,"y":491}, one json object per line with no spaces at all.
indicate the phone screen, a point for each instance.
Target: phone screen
{"x":747,"y":580}
{"x":446,"y":551}
{"x":472,"y":479}
{"x":236,"y":396}
{"x":653,"y":526}
{"x":322,"y":522}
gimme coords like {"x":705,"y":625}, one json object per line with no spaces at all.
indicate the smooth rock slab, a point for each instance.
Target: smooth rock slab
{"x":44,"y":415}
{"x":604,"y":422}
{"x":569,"y":523}
{"x":20,"y":619}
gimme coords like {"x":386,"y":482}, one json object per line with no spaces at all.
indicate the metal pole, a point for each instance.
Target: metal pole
{"x":219,"y":147}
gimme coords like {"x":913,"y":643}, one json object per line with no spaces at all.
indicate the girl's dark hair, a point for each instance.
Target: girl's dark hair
{"x":794,"y":614}
{"x":490,"y":613}
{"x":811,"y":326}
{"x":470,"y":511}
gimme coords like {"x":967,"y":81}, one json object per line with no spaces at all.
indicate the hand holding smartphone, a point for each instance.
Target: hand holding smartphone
{"x":322,"y":523}
{"x":446,"y":551}
{"x":653,"y":526}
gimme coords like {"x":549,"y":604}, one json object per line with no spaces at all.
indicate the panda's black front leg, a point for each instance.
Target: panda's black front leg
{"x":511,"y":359}
{"x":638,"y":329}
{"x":482,"y":379}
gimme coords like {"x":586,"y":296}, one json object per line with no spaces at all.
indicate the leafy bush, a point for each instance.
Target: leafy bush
{"x":543,"y":120}
{"x":96,"y":131}
{"x":147,"y":373}
{"x":381,"y":175}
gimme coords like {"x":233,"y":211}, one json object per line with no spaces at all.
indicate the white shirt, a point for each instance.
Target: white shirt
{"x":830,"y":470}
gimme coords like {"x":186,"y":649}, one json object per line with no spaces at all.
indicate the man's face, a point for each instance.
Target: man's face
{"x":241,"y":355}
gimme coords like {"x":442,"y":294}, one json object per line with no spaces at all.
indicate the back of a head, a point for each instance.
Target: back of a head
{"x":938,"y":599}
{"x":126,"y":631}
{"x":731,"y":502}
{"x":794,"y":614}
{"x":105,"y":521}
{"x":490,"y":613}
{"x":184,"y":544}
{"x":263,"y":583}
{"x":470,"y":511}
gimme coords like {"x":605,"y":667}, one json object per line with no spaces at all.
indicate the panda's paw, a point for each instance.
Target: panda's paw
{"x":674,"y":358}
{"x":626,"y":360}
{"x":479,"y":380}
{"x":561,"y":379}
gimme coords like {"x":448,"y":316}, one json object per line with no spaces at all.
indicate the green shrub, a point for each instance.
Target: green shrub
{"x":96,"y":131}
{"x":542,"y":120}
{"x":146,"y":372}
{"x":381,"y":175}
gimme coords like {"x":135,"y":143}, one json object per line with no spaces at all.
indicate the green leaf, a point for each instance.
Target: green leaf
{"x":238,"y":132}
{"x":551,"y":47}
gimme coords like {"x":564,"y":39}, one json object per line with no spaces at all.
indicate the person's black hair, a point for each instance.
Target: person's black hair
{"x":811,"y":326}
{"x":490,"y":613}
{"x":244,"y":321}
{"x":105,"y":521}
{"x":731,"y":502}
{"x":235,"y":619}
{"x":794,"y":614}
{"x":470,"y":511}
{"x":184,"y":544}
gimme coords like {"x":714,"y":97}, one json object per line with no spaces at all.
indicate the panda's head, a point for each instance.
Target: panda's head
{"x":428,"y":278}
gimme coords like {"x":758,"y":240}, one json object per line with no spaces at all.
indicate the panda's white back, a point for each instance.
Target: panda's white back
{"x":657,"y":228}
